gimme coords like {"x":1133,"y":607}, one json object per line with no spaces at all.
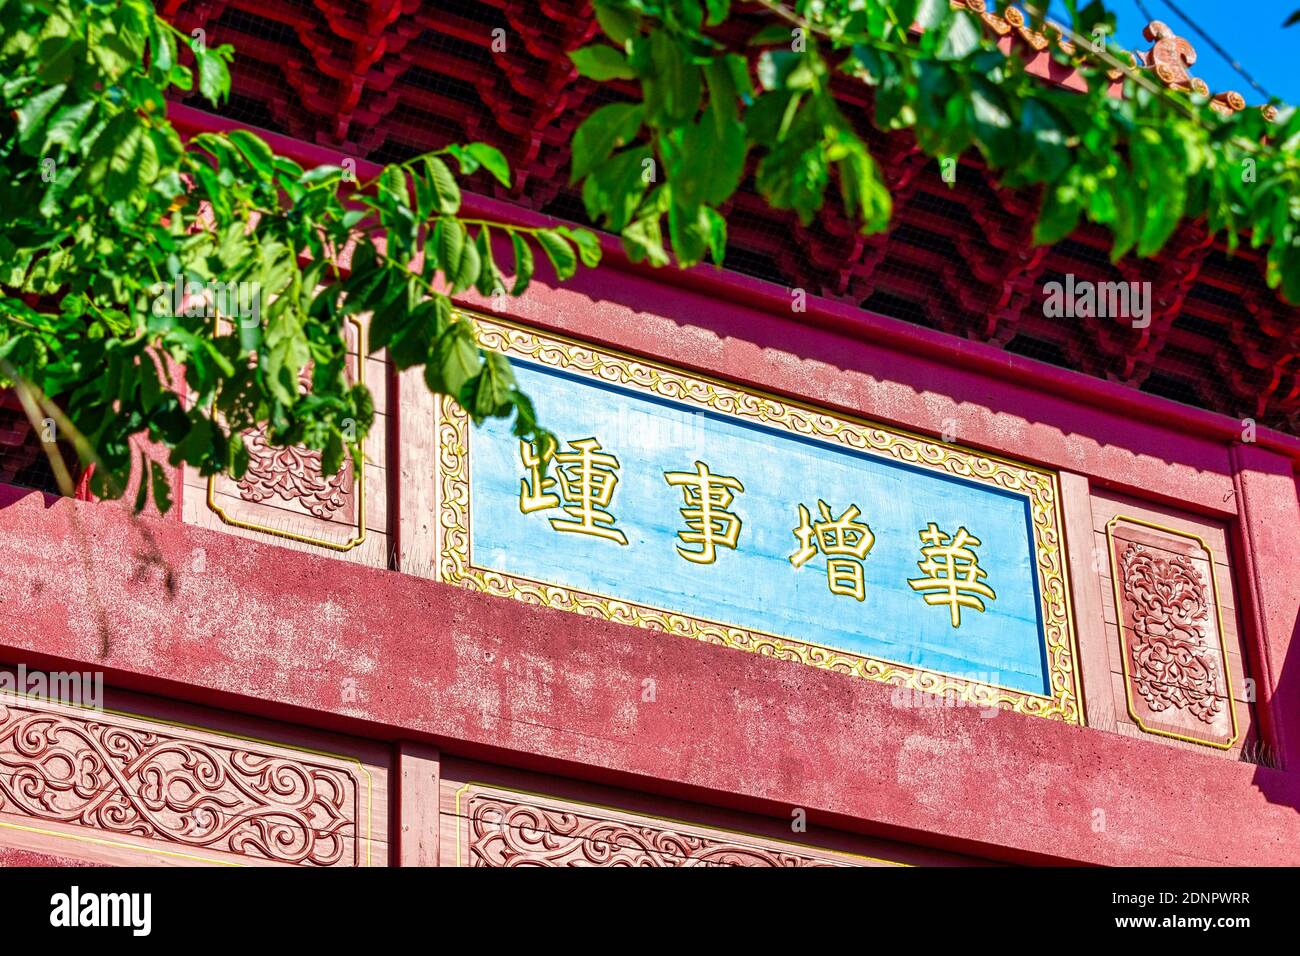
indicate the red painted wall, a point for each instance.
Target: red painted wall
{"x":270,"y":632}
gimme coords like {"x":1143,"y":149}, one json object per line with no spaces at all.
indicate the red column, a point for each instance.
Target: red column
{"x":1268,"y":538}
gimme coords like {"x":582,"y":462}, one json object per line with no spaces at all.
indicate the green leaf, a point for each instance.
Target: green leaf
{"x":133,"y":166}
{"x":710,"y":163}
{"x":600,"y":62}
{"x":1059,"y":215}
{"x":214,"y":75}
{"x":773,"y":34}
{"x":864,"y":191}
{"x":672,"y":90}
{"x":523,"y":263}
{"x":605,"y":130}
{"x":321,"y":175}
{"x":493,"y":160}
{"x":459,"y":358}
{"x":992,"y":122}
{"x":409,"y":345}
{"x":1051,"y":154}
{"x":467,"y":272}
{"x":489,"y":281}
{"x":254,"y":149}
{"x":559,"y":251}
{"x":930,"y":13}
{"x":644,"y":239}
{"x":393,"y":186}
{"x":613,"y":190}
{"x":718,"y":10}
{"x":688,"y":238}
{"x":722,"y":92}
{"x":619,"y":25}
{"x":66,"y":126}
{"x":32,"y":114}
{"x":784,"y":70}
{"x":451,"y":237}
{"x":587,"y":242}
{"x":443,"y":183}
{"x":181,"y":77}
{"x":716,"y":233}
{"x":494,"y":386}
{"x":162,"y":46}
{"x":960,"y":39}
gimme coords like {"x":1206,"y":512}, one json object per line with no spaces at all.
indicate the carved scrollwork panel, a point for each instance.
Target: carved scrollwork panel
{"x":502,"y":828}
{"x":109,"y":776}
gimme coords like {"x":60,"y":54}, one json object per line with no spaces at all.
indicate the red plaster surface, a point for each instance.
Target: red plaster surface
{"x":1270,"y":572}
{"x":274,"y":632}
{"x":10,"y":856}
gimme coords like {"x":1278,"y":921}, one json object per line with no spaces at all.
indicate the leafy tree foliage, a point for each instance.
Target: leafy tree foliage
{"x":1136,"y":165}
{"x":103,"y":206}
{"x":103,"y":210}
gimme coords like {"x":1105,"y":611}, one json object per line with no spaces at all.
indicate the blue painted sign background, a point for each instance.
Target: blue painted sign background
{"x":755,"y":586}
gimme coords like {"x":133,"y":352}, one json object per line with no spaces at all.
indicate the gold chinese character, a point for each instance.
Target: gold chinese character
{"x":586,"y":479}
{"x":708,"y":496}
{"x":952,"y":572}
{"x":843,"y":540}
{"x":539,"y":493}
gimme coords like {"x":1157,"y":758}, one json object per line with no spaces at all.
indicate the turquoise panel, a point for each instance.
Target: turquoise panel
{"x":755,"y":585}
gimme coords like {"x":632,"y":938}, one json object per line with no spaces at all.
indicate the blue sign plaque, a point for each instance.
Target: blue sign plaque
{"x":697,"y":507}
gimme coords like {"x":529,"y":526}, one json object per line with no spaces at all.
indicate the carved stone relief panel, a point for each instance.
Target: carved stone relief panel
{"x":498,"y":817}
{"x":80,"y":781}
{"x":504,"y":831}
{"x":284,"y":496}
{"x":1178,"y":679}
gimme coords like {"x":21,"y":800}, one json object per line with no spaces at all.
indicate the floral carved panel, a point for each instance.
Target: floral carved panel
{"x":1176,"y":669}
{"x":293,"y":474}
{"x":98,"y":776}
{"x":284,"y":492}
{"x":510,"y":829}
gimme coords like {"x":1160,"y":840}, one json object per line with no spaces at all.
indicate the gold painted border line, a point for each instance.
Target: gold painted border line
{"x":462,"y":832}
{"x":1124,"y":646}
{"x":358,"y":483}
{"x":118,"y":845}
{"x":1041,"y":489}
{"x":364,"y":771}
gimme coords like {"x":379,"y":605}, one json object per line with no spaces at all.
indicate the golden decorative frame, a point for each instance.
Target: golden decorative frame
{"x":565,"y":803}
{"x":358,"y":483}
{"x":1038,"y":486}
{"x":1123,"y":642}
{"x":177,"y":854}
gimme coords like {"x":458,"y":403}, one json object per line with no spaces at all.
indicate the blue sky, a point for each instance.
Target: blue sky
{"x":1250,"y":30}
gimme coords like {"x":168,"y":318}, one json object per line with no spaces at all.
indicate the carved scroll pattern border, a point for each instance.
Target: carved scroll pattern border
{"x":106,"y":775}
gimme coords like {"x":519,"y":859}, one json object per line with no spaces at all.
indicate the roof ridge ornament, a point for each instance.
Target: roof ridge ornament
{"x":1170,"y":57}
